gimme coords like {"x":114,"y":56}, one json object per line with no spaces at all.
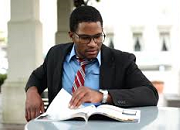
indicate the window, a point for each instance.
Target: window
{"x":164,"y":38}
{"x":137,"y":41}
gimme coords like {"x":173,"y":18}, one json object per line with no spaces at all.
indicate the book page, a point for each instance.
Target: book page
{"x":59,"y":108}
{"x":120,"y":114}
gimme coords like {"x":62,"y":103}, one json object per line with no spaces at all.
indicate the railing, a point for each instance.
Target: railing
{"x":44,"y":96}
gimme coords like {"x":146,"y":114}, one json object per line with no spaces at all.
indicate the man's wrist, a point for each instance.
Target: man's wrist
{"x":32,"y":89}
{"x":105,"y":95}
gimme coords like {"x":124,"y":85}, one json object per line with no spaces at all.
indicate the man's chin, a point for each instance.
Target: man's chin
{"x":90,"y":57}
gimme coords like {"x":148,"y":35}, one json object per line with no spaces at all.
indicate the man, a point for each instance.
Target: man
{"x":111,"y":76}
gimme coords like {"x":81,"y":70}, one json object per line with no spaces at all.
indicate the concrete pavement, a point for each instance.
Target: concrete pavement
{"x":8,"y":126}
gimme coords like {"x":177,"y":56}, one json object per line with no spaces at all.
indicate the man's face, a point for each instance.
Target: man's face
{"x":88,"y":39}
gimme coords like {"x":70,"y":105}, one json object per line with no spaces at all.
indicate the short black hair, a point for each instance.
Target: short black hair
{"x":84,"y":14}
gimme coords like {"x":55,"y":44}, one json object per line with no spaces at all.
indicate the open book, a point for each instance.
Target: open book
{"x":59,"y":110}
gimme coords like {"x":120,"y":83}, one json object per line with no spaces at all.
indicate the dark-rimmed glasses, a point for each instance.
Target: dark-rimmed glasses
{"x":98,"y":38}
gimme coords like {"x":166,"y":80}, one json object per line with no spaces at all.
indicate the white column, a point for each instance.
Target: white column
{"x":24,"y":55}
{"x":64,"y":8}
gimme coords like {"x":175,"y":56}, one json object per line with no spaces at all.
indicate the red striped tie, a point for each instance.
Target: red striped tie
{"x":80,"y":76}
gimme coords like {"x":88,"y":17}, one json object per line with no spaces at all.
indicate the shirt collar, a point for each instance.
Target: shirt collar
{"x":73,"y":53}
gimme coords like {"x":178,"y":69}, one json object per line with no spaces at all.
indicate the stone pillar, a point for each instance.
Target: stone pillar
{"x":64,"y":8}
{"x":24,"y":55}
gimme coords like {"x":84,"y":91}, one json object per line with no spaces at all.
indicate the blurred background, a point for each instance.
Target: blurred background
{"x":149,"y":29}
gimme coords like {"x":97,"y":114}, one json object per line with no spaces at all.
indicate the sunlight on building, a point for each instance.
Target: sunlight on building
{"x":155,"y":24}
{"x":149,"y":29}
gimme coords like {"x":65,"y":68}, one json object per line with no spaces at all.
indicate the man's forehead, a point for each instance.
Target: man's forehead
{"x":89,"y":27}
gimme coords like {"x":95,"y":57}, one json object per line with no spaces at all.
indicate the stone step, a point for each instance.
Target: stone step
{"x":172,"y":100}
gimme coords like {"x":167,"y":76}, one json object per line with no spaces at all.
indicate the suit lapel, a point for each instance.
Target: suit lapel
{"x":57,"y":80}
{"x":107,"y":69}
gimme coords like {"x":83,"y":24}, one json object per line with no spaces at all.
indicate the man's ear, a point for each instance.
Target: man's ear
{"x":70,"y":34}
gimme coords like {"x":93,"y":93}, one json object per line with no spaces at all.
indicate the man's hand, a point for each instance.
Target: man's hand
{"x":84,"y":94}
{"x":34,"y":104}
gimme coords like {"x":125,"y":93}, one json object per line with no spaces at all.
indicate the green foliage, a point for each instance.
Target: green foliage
{"x":2,"y":78}
{"x":78,"y":3}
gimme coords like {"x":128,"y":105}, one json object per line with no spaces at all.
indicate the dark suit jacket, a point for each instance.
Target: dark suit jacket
{"x":119,"y":74}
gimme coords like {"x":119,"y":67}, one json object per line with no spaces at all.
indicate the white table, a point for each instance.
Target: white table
{"x":152,"y":118}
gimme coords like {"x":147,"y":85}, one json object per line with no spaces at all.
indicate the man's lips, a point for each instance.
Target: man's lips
{"x":92,"y":52}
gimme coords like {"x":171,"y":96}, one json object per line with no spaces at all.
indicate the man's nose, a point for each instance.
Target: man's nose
{"x":92,"y":42}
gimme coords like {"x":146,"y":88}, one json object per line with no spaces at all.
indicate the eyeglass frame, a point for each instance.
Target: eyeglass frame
{"x":91,"y":37}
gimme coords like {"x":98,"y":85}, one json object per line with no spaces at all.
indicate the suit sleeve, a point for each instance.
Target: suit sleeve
{"x":137,"y":90}
{"x":38,"y":77}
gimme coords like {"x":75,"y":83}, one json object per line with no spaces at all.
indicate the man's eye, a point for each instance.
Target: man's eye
{"x":97,"y":36}
{"x":85,"y":38}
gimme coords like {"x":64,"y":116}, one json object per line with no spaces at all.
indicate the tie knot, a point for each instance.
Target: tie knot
{"x":82,"y":61}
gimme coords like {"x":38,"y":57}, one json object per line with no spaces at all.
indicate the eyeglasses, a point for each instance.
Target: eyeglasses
{"x":98,"y":38}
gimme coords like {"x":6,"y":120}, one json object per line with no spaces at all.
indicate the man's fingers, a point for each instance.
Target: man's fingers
{"x":26,"y":115}
{"x":85,"y":95}
{"x":42,"y":108}
{"x":33,"y":103}
{"x":32,"y":113}
{"x":76,"y":98}
{"x":82,"y":100}
{"x":37,"y":113}
{"x":81,"y":95}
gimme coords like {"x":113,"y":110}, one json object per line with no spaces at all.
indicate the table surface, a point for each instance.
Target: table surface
{"x":152,"y":118}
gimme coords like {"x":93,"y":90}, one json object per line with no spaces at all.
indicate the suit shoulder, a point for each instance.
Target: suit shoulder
{"x":58,"y":47}
{"x":61,"y":45}
{"x":123,"y":55}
